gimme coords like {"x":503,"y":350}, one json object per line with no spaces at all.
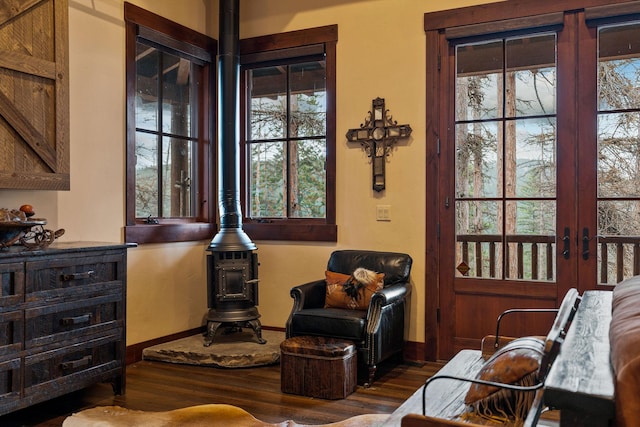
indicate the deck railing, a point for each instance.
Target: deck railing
{"x":532,"y":257}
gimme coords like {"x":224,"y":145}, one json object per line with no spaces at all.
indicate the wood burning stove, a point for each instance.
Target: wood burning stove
{"x":232,"y":293}
{"x":232,"y":266}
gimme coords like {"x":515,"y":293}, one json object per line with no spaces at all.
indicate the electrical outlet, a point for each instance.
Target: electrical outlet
{"x":383,"y":212}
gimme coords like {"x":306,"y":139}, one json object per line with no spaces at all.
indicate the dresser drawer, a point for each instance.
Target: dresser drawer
{"x":68,"y":276}
{"x":83,"y":363}
{"x":10,"y":380}
{"x":11,"y":285}
{"x":11,"y":332}
{"x":74,"y":320}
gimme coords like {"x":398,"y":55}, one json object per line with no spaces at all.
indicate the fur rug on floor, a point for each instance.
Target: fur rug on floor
{"x":213,"y":415}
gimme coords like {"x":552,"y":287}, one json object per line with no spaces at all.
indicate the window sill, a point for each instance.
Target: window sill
{"x":165,"y":233}
{"x":294,"y":232}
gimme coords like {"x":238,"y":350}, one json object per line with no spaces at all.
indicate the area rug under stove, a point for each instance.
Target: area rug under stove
{"x":232,"y":350}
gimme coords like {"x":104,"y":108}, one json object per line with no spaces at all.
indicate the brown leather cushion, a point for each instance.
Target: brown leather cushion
{"x":515,"y":363}
{"x":624,"y":337}
{"x":336,"y":297}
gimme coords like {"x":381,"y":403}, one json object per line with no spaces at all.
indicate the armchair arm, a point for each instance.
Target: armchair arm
{"x":309,"y":295}
{"x":391,"y":294}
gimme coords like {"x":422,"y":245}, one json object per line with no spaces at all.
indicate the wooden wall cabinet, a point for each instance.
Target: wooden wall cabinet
{"x":62,"y":321}
{"x":34,"y":95}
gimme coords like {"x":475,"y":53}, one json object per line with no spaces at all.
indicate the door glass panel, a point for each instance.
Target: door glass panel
{"x":479,"y":243}
{"x":618,"y":235}
{"x":506,"y":158}
{"x":534,"y":157}
{"x":479,"y":80}
{"x":477,"y":153}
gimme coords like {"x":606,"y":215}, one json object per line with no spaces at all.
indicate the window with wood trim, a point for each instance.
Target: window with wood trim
{"x":170,"y":95}
{"x":288,"y":134}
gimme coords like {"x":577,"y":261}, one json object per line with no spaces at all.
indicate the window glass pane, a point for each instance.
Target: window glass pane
{"x":308,"y":179}
{"x":147,"y":63}
{"x":146,"y":175}
{"x":531,"y":245}
{"x":176,"y":95}
{"x":532,"y":162}
{"x":268,"y":182}
{"x":268,"y":108}
{"x":619,"y":67}
{"x":478,"y":238}
{"x":176,"y":177}
{"x":479,"y":81}
{"x":618,"y":225}
{"x":619,"y":155}
{"x":477,"y":151}
{"x":307,"y":101}
{"x":531,"y":76}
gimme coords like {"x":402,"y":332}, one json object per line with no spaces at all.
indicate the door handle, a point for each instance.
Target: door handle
{"x":585,"y":243}
{"x":567,"y":241}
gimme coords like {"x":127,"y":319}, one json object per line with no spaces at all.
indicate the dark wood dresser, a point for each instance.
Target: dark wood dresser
{"x":62,"y":320}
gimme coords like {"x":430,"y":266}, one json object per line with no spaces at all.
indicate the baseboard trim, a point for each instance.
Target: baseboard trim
{"x":414,"y":351}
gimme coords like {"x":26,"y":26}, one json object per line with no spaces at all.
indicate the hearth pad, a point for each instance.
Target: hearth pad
{"x":232,"y":350}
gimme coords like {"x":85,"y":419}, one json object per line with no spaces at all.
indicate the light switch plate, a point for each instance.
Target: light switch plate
{"x":383,"y":212}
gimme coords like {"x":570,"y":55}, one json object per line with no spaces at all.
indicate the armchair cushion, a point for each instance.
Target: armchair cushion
{"x":331,"y":322}
{"x":338,"y":297}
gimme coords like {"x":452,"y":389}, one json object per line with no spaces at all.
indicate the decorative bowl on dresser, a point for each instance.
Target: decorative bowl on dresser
{"x":62,"y":320}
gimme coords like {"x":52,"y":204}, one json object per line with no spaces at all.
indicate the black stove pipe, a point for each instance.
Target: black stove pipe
{"x":231,"y":237}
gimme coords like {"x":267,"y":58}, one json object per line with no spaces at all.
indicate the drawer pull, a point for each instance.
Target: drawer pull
{"x":76,"y":364}
{"x":70,"y":321}
{"x":78,"y":276}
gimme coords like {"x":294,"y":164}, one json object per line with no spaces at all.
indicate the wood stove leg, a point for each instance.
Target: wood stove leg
{"x":212,"y":328}
{"x":257,"y":328}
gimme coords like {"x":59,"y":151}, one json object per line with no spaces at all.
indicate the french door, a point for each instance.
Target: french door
{"x":536,"y":161}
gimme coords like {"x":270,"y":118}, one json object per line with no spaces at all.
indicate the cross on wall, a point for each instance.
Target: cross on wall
{"x":376,"y":136}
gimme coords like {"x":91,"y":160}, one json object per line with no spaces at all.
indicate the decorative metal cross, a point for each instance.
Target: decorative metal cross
{"x":376,"y":136}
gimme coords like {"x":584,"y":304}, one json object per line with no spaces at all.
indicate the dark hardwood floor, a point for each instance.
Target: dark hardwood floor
{"x":160,"y":386}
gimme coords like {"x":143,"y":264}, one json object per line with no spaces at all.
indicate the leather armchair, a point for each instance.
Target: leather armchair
{"x":378,"y":332}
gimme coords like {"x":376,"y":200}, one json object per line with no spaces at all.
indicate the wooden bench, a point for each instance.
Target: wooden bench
{"x":440,"y":402}
{"x":581,"y":382}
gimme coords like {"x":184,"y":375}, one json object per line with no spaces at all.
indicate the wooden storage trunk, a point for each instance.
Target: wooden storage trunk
{"x":318,"y":367}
